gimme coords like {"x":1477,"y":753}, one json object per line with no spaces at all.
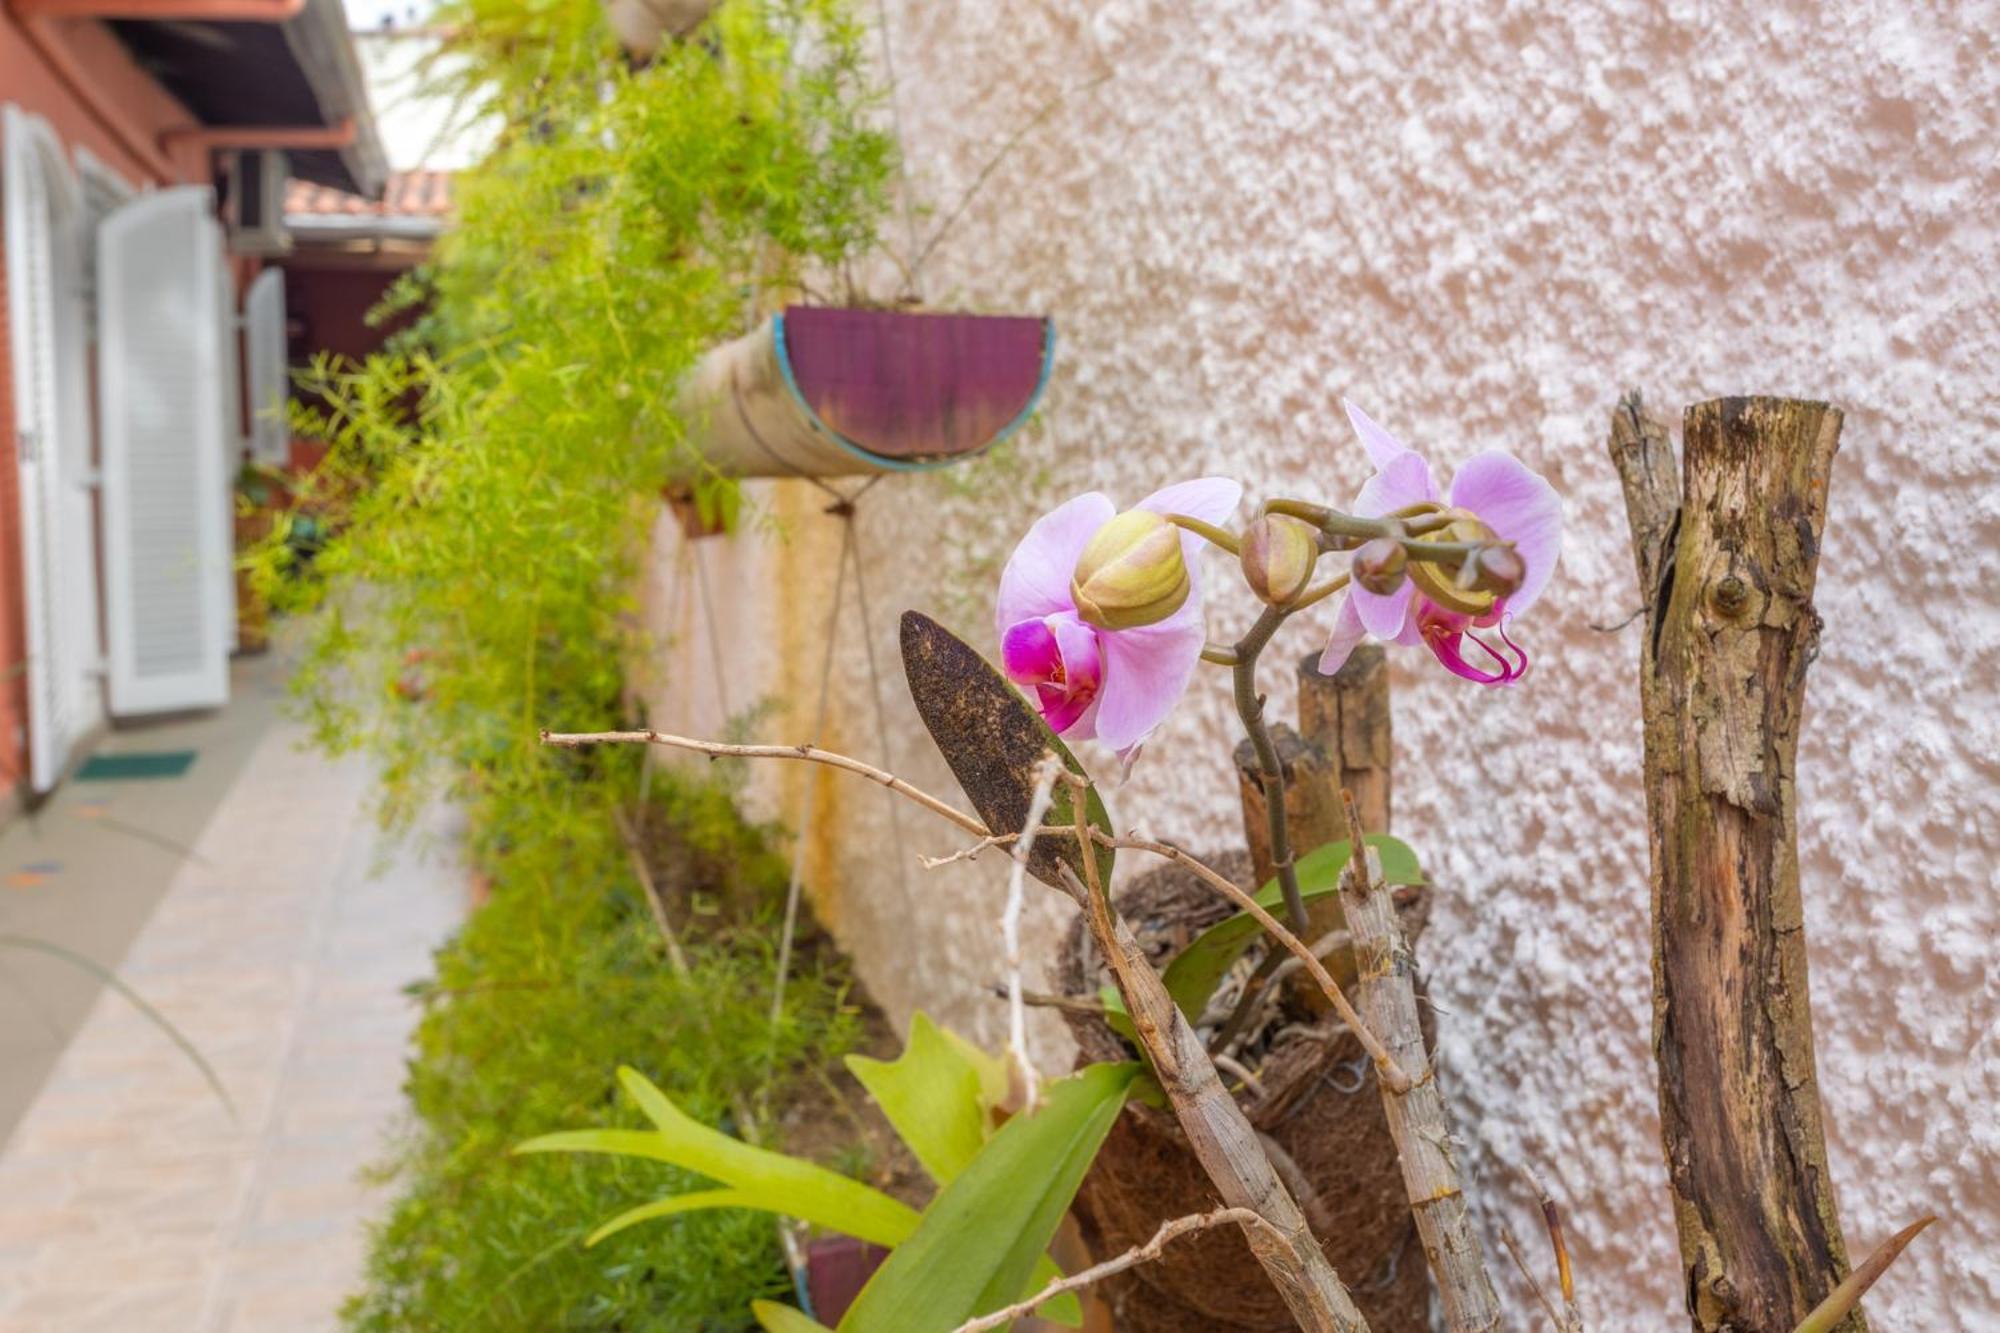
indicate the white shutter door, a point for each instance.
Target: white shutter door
{"x":166,"y":539}
{"x":229,"y":385}
{"x":52,"y":445}
{"x":265,"y":355}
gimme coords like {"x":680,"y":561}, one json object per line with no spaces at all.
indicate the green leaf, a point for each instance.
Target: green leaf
{"x":1194,"y":974}
{"x":137,"y":1001}
{"x":1116,"y":1016}
{"x":775,"y":1318}
{"x":980,"y":1239}
{"x":699,"y":1201}
{"x":767,"y":1180}
{"x":994,"y":742}
{"x":932,"y":1095}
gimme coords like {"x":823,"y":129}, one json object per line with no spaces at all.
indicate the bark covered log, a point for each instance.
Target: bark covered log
{"x":1727,"y":563}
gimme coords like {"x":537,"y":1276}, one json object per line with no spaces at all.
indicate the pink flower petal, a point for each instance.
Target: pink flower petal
{"x":1521,"y":507}
{"x":1405,"y":481}
{"x":1384,"y":616}
{"x":1210,"y":499}
{"x":1383,"y":448}
{"x":1058,"y":658}
{"x":1146,"y":671}
{"x":1035,"y":582}
{"x":1348,"y":632}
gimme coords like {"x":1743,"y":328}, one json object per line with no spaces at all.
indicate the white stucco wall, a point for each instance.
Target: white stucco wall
{"x":1483,"y":222}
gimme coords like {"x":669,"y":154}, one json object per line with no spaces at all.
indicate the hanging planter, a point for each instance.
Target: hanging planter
{"x":832,"y":392}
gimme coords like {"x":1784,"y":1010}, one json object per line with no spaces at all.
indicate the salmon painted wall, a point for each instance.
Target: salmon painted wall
{"x":79,"y":79}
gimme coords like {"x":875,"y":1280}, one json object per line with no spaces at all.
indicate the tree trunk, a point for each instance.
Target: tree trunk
{"x":1727,"y":566}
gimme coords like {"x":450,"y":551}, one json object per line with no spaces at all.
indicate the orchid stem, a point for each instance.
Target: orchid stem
{"x":1208,"y":532}
{"x":1250,"y":708}
{"x":1219,"y":653}
{"x":1321,"y":591}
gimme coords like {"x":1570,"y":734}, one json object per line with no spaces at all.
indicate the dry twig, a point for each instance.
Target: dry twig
{"x":1132,"y":1258}
{"x":810,"y":753}
{"x":1416,"y":1113}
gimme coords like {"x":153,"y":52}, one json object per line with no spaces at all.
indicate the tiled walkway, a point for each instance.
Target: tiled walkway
{"x":130,"y":1199}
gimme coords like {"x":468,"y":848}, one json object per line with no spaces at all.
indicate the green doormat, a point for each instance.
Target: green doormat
{"x":135,"y":764}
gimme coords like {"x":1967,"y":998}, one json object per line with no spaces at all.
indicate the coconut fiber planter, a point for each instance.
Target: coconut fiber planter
{"x":1318,"y":1111}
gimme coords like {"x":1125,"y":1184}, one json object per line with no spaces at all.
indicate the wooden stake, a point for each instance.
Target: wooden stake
{"x":1386,"y":996}
{"x":1727,"y":564}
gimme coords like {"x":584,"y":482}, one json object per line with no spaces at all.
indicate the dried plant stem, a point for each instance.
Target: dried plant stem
{"x":1387,"y":1067}
{"x":1218,"y":1133}
{"x":1541,"y":1297}
{"x":650,"y":891}
{"x":1010,"y":929}
{"x":1416,"y":1114}
{"x":1565,"y":1281}
{"x":1132,"y":1258}
{"x":810,"y":753}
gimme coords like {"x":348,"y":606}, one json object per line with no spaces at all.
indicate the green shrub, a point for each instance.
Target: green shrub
{"x":548,"y":988}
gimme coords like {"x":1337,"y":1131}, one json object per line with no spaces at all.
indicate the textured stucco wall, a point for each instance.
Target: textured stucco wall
{"x":1482,"y":223}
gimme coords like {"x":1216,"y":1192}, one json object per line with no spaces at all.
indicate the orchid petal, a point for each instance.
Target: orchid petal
{"x":1383,"y":615}
{"x":1210,"y":499}
{"x":1406,"y":481}
{"x":1146,"y":671}
{"x":1521,"y":507}
{"x":1348,"y":633}
{"x":1036,"y":580}
{"x":1383,"y":448}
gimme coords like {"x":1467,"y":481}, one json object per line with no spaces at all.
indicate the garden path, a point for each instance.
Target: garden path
{"x":130,"y":1198}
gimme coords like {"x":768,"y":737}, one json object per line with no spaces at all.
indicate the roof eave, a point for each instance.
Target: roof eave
{"x":324,"y":47}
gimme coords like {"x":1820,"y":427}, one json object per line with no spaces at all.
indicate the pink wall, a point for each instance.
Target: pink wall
{"x":117,"y":116}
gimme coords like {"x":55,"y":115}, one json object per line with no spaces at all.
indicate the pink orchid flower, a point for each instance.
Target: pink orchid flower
{"x":1515,"y":503}
{"x":1116,"y":685}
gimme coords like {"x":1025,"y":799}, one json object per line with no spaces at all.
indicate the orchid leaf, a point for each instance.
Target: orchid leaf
{"x":1117,"y":1017}
{"x":932,"y":1095}
{"x":1194,"y":974}
{"x":994,"y":742}
{"x":766,"y":1180}
{"x":981,"y":1238}
{"x":1826,"y":1316}
{"x":699,"y":1201}
{"x":758,"y":1179}
{"x":775,"y":1318}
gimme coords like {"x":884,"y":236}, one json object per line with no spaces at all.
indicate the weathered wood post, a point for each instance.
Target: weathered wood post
{"x":1342,"y":742}
{"x":1726,"y":563}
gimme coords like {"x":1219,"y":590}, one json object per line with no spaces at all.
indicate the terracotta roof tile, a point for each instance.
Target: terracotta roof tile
{"x":409,"y":194}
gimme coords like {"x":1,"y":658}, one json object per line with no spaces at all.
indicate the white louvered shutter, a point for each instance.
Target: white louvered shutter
{"x":229,"y":383}
{"x":265,"y":359}
{"x":166,"y":438}
{"x":51,"y":426}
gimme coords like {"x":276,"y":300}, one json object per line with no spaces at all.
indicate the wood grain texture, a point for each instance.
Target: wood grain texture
{"x":1418,"y":1119}
{"x":1728,"y":561}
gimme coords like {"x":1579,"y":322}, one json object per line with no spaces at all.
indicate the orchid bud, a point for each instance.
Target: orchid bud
{"x":1500,"y":571}
{"x":1380,"y":565}
{"x":1440,"y":582}
{"x":1278,"y":555}
{"x":1131,"y":573}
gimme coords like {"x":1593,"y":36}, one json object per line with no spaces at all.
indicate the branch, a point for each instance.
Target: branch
{"x":1010,"y":927}
{"x":1218,"y":1133}
{"x":1387,"y":1068}
{"x":1416,"y":1113}
{"x":809,"y":753}
{"x":1132,"y":1258}
{"x":644,"y":873}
